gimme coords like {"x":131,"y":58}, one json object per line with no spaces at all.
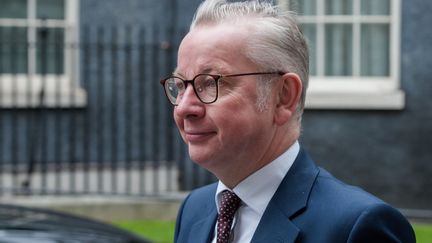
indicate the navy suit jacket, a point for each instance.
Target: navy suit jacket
{"x":310,"y":205}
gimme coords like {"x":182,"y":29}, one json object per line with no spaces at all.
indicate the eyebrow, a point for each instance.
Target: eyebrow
{"x":207,"y":70}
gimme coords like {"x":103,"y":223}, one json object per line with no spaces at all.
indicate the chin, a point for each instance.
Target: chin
{"x":199,"y":159}
{"x":204,"y":160}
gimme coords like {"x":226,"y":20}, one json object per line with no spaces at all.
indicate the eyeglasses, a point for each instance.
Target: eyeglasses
{"x":205,"y":86}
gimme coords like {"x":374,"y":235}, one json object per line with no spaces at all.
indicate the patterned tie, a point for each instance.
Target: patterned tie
{"x":229,"y":205}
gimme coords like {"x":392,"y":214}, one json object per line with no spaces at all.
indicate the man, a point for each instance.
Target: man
{"x":239,"y":91}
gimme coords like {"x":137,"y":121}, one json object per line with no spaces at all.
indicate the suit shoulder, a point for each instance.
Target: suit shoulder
{"x":357,"y":215}
{"x":339,"y":193}
{"x":381,"y":223}
{"x":342,"y":202}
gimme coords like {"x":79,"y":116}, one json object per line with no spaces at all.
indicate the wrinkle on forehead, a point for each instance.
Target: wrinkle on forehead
{"x":205,"y":69}
{"x":213,"y":49}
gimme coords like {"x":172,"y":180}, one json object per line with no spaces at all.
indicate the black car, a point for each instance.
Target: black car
{"x":30,"y":225}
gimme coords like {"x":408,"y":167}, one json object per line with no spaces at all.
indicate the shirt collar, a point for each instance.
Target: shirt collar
{"x":257,"y":189}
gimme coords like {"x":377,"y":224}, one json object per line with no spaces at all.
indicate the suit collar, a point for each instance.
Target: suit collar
{"x":289,"y":200}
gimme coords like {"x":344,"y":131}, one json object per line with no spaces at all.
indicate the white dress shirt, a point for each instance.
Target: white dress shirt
{"x":256,"y":192}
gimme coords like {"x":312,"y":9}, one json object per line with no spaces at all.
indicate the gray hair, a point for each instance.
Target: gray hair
{"x":276,"y":43}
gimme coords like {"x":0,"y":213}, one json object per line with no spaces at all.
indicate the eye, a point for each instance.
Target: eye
{"x":179,"y":84}
{"x":205,"y":83}
{"x":209,"y":83}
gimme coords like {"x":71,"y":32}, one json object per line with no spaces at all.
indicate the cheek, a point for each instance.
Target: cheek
{"x":235,"y":120}
{"x":238,"y":104}
{"x":241,"y":117}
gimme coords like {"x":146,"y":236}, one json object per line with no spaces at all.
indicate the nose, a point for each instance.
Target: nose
{"x":189,"y":106}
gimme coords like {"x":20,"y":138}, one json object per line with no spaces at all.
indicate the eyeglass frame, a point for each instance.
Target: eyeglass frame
{"x":216,"y":77}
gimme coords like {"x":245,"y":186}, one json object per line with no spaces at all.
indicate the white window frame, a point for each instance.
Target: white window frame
{"x":60,"y":90}
{"x":355,"y":92}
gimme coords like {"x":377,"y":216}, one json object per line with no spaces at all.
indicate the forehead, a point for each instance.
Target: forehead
{"x":217,"y":48}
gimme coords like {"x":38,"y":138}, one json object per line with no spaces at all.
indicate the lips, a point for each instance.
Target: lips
{"x":198,"y":136}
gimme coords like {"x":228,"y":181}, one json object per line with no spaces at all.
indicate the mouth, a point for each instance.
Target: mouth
{"x":194,"y":137}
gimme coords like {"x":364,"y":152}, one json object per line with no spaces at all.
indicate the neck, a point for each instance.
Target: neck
{"x":235,"y":174}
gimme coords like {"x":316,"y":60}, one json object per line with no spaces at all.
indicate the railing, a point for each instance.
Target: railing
{"x":91,"y":118}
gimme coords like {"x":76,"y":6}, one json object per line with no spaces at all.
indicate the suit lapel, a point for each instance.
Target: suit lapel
{"x":203,"y":230}
{"x":289,"y":200}
{"x":275,"y":227}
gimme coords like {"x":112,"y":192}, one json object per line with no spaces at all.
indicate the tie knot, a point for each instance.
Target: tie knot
{"x":230,"y":202}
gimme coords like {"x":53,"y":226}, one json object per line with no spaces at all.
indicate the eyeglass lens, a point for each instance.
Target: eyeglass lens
{"x":205,"y":87}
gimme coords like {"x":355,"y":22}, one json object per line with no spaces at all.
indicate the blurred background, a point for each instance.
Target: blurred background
{"x":85,"y":126}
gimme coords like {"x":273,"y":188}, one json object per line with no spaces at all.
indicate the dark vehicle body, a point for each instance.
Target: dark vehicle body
{"x":30,"y":225}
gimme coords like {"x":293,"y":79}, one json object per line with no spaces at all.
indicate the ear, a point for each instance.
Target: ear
{"x":289,"y":90}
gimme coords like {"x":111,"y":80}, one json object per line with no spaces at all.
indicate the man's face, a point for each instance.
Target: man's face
{"x":230,"y":135}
